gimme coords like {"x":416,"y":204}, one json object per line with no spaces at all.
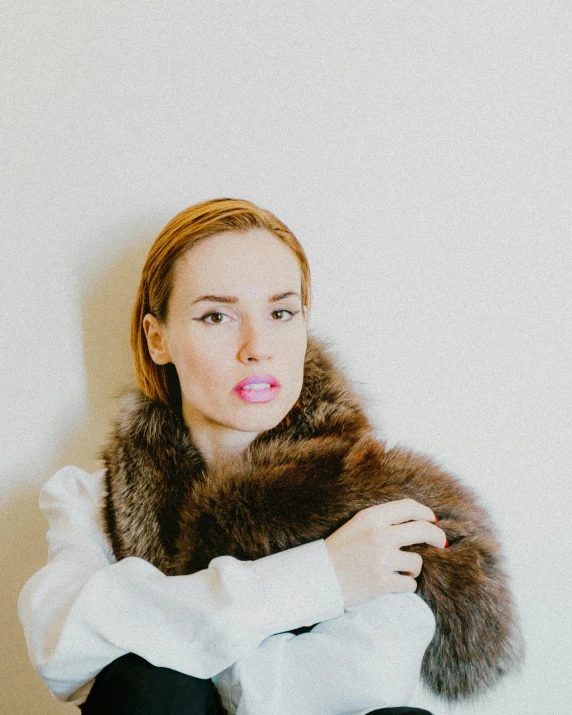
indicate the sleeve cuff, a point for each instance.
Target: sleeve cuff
{"x":300,"y":587}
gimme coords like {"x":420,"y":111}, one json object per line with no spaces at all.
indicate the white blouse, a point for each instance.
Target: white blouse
{"x":228,"y":622}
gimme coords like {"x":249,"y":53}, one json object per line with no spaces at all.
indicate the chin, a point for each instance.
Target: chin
{"x":261,"y":420}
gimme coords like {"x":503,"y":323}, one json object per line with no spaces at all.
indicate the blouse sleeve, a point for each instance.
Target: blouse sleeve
{"x":83,"y":609}
{"x":369,"y":658}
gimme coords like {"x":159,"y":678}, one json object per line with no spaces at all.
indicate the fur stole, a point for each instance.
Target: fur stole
{"x":297,"y":483}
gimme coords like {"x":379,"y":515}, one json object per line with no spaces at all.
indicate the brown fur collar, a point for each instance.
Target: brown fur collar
{"x":298,"y":483}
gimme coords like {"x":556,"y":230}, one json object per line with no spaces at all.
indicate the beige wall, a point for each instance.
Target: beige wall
{"x":421,"y":151}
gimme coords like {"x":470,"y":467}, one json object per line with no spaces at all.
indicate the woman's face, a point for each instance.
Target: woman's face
{"x":234,"y":315}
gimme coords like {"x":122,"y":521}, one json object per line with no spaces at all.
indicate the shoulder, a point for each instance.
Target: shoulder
{"x":71,"y":500}
{"x":73,"y":484}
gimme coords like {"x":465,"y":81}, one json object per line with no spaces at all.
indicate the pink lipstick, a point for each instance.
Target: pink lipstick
{"x":257,"y":388}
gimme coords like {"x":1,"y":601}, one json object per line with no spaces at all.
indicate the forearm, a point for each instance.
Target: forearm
{"x":80,"y":612}
{"x":369,"y":658}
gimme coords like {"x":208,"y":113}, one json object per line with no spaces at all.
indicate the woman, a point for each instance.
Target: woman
{"x":162,"y":605}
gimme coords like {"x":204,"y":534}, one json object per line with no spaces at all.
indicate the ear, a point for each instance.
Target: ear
{"x":156,"y":340}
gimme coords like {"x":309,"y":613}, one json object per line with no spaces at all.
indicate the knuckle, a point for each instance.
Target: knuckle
{"x":408,"y":530}
{"x":365,"y":516}
{"x":412,"y":563}
{"x":412,"y":504}
{"x":408,"y":584}
{"x":377,"y":537}
{"x":423,"y":528}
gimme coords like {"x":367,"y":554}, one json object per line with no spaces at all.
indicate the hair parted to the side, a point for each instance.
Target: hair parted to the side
{"x":186,"y":228}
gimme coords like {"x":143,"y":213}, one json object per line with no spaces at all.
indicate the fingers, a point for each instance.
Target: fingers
{"x":418,"y":532}
{"x":409,"y":564}
{"x":396,"y":512}
{"x":367,"y":551}
{"x":402,"y":584}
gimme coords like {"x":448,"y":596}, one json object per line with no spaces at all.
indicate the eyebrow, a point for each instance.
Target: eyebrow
{"x":234,"y":299}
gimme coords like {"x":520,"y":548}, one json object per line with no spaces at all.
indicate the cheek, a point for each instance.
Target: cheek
{"x":200,"y":365}
{"x":295,"y":360}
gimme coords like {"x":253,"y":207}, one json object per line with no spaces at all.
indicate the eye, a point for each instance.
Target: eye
{"x":283,"y":315}
{"x":217,"y":318}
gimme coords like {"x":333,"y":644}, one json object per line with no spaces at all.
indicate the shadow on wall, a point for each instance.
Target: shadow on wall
{"x":22,"y":552}
{"x":106,"y":315}
{"x":106,"y":319}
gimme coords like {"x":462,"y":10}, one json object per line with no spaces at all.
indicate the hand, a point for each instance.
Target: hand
{"x":366,"y":551}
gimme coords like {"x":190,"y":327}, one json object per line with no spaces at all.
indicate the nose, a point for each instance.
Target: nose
{"x":254,"y":343}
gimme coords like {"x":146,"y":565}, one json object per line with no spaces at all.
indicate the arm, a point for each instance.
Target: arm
{"x":84,"y":610}
{"x":368,"y":658}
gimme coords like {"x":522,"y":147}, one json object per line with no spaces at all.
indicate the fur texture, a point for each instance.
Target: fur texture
{"x":298,"y":483}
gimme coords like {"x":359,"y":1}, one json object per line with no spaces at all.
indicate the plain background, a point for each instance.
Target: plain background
{"x":421,"y":152}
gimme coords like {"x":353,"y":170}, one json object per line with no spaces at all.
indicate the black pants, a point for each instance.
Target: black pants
{"x":132,"y":686}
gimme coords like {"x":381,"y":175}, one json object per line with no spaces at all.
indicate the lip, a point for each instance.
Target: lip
{"x":251,"y":395}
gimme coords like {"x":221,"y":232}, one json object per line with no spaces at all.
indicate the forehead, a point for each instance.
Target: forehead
{"x":238,"y":264}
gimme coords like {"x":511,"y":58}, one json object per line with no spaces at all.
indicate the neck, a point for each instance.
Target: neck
{"x":217,"y":445}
